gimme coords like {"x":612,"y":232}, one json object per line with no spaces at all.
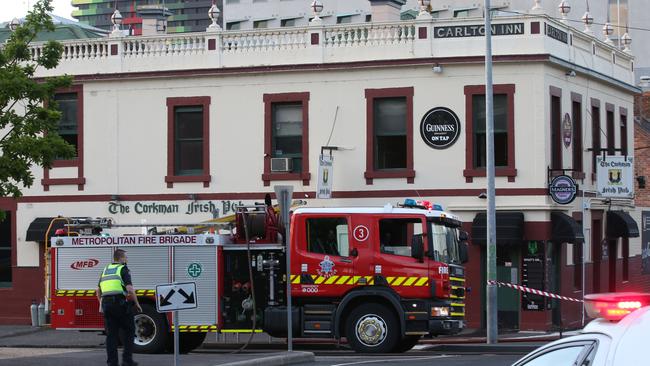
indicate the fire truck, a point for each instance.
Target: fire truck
{"x":380,"y":277}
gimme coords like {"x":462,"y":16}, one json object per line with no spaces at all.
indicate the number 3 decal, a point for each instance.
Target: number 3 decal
{"x":361,"y":233}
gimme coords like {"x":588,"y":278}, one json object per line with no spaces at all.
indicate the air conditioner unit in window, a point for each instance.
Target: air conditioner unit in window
{"x":281,"y":164}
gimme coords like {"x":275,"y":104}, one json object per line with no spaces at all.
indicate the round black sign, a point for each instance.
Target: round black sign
{"x":563,"y":189}
{"x":440,"y":128}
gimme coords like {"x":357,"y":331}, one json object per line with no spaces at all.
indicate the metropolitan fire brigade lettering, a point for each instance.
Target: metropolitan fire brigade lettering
{"x":133,"y":240}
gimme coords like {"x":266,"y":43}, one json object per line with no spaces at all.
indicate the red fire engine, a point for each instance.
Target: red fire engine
{"x":380,"y":277}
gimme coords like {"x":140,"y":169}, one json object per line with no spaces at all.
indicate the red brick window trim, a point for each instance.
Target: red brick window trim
{"x":172,"y":104}
{"x":78,"y":161}
{"x":269,"y":101}
{"x":372,"y":172}
{"x":503,"y":171}
{"x":576,"y":143}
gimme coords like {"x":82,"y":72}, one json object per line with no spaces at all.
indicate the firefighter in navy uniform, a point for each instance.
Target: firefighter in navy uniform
{"x":116,"y":300}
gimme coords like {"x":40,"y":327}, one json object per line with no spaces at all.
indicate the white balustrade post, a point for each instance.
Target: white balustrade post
{"x":423,"y":42}
{"x":316,"y":40}
{"x":213,"y":45}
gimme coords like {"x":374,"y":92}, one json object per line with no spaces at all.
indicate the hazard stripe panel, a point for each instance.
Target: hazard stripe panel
{"x":363,"y":280}
{"x":92,"y":292}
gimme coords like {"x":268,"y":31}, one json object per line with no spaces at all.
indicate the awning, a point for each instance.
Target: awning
{"x":621,"y":224}
{"x":38,"y":227}
{"x":509,"y":230}
{"x":565,"y":229}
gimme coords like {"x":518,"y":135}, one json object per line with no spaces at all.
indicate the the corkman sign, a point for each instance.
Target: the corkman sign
{"x":440,"y":128}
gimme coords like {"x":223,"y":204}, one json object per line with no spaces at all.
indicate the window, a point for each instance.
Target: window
{"x":346,"y":19}
{"x":260,"y":24}
{"x":558,"y":357}
{"x":623,"y":128}
{"x":576,"y":117}
{"x":389,"y":139}
{"x":595,"y":135}
{"x":287,"y":22}
{"x":444,"y":242}
{"x":328,"y":236}
{"x":504,"y":129}
{"x":286,"y":137}
{"x":556,"y":128}
{"x":611,"y":135}
{"x":188,"y":144}
{"x":577,"y":265}
{"x":397,"y":235}
{"x":5,"y":250}
{"x":70,"y":128}
{"x":233,"y":26}
{"x":461,"y":13}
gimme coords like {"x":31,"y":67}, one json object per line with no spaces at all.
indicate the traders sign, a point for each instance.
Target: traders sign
{"x":615,"y":176}
{"x":563,"y":189}
{"x":440,"y":127}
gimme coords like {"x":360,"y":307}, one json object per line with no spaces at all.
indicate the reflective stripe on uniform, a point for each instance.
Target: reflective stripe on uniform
{"x":111,"y":282}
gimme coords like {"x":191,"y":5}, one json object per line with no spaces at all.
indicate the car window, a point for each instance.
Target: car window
{"x":328,"y":235}
{"x":566,"y":356}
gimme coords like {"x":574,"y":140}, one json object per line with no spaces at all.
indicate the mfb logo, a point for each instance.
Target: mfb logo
{"x":85,"y":264}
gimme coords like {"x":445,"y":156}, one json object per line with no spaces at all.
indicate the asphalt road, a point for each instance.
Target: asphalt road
{"x":86,"y":357}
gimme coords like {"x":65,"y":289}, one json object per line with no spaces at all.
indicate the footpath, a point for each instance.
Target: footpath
{"x":267,"y":351}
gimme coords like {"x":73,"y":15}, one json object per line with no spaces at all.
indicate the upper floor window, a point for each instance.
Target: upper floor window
{"x":188,"y":158}
{"x":623,"y":128}
{"x":328,"y":235}
{"x":286,"y":144}
{"x":476,"y":132}
{"x":611,"y":134}
{"x":576,"y":116}
{"x":68,"y":127}
{"x":556,"y":128}
{"x":595,"y":134}
{"x":389,"y":145}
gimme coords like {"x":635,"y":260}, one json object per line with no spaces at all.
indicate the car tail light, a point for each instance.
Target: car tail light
{"x":615,"y":306}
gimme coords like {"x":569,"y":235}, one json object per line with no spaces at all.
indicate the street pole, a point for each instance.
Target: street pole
{"x":283,"y":194}
{"x":492,"y":325}
{"x":176,"y":338}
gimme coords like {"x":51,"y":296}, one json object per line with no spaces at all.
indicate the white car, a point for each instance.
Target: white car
{"x":617,"y":337}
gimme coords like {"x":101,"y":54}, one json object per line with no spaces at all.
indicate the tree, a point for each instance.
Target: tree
{"x":28,"y":112}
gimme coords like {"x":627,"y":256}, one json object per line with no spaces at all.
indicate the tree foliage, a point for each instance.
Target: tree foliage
{"x":28,"y":112}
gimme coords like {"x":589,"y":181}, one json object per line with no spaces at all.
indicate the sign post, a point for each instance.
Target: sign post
{"x":615,"y":176}
{"x":325,"y":170}
{"x":173,"y":297}
{"x":283,"y":194}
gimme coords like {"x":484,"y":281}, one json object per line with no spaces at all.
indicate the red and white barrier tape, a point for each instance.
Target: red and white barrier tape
{"x":533,"y":291}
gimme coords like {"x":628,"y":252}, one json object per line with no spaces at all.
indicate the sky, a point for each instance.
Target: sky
{"x":10,"y":9}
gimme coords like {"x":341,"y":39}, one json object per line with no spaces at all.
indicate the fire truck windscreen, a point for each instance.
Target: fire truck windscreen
{"x":445,"y":243}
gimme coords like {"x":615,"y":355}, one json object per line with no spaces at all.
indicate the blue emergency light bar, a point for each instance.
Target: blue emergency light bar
{"x":427,"y":205}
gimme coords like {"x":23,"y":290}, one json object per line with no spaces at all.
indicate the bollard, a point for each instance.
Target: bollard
{"x":33,"y":309}
{"x":41,"y":314}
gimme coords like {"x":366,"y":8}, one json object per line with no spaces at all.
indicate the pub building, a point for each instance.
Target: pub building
{"x":181,"y":128}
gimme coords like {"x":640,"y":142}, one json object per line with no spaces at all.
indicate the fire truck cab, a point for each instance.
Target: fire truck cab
{"x":381,"y":277}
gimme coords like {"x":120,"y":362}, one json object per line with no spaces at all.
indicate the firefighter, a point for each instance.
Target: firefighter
{"x":113,"y":291}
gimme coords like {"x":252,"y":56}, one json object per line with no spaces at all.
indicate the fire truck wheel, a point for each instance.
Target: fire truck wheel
{"x":151,"y":331}
{"x":406,"y":344}
{"x":372,"y":328}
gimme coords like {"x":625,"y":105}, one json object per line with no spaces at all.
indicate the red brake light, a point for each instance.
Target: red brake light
{"x":615,"y":306}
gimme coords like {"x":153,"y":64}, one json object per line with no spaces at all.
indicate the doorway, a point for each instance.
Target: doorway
{"x":508,"y":263}
{"x":596,"y":248}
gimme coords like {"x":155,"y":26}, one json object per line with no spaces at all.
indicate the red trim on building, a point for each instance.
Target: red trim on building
{"x":77,"y":162}
{"x":372,"y":173}
{"x":310,"y":67}
{"x":269,"y":99}
{"x":173,"y":102}
{"x":470,"y":171}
